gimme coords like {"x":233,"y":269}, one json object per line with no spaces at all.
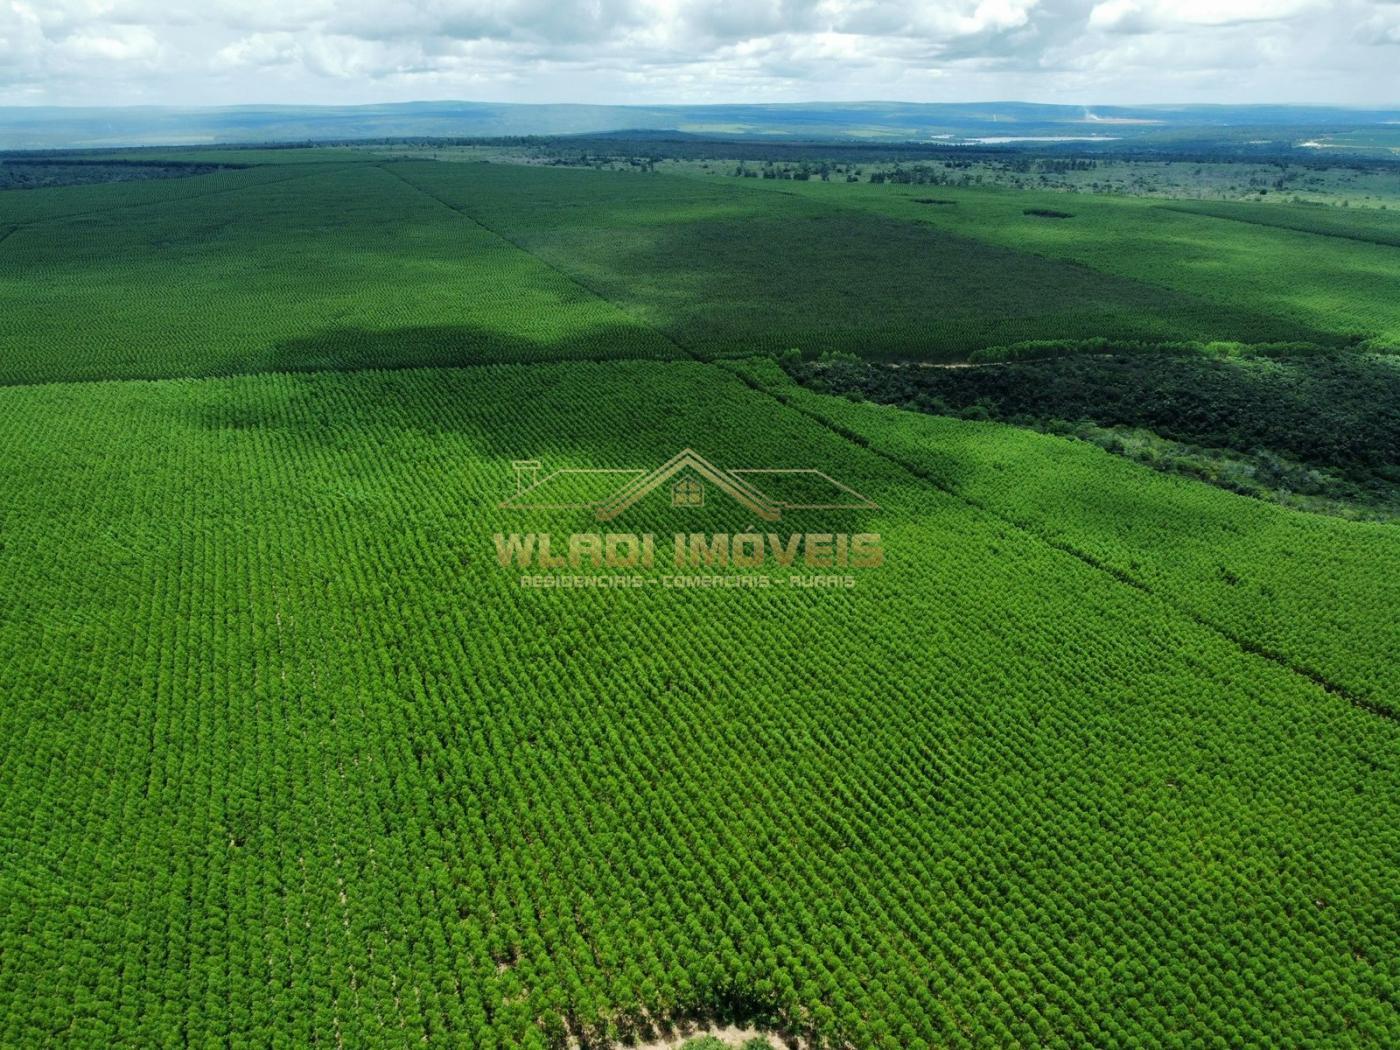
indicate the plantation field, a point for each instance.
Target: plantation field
{"x":1334,"y":286}
{"x":291,"y":759}
{"x":264,"y":270}
{"x":1097,"y":756}
{"x":725,"y":270}
{"x":20,"y":209}
{"x":1362,"y":224}
{"x":288,"y":265}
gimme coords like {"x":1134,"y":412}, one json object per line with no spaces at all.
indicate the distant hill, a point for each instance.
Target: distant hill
{"x":48,"y":127}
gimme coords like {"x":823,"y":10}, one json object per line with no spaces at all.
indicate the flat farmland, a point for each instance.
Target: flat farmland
{"x":294,"y":266}
{"x":1093,"y":755}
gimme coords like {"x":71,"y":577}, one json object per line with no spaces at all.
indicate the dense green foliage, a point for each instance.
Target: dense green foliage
{"x":30,"y":173}
{"x":1339,"y":411}
{"x":1050,"y":349}
{"x":290,"y":759}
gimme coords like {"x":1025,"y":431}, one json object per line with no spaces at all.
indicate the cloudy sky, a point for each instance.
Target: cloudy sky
{"x":88,"y":52}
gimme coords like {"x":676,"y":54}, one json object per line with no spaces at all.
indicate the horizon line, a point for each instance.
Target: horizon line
{"x":1360,"y":107}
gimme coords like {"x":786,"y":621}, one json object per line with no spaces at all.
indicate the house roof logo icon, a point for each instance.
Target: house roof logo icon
{"x":766,"y":492}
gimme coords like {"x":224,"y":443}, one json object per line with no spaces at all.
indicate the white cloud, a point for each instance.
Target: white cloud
{"x":258,"y":51}
{"x":1383,"y":27}
{"x":1145,"y":16}
{"x":1093,"y":51}
{"x":21,"y":39}
{"x":114,"y":43}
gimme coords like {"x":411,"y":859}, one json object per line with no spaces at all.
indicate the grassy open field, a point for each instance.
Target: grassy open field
{"x":1169,"y":174}
{"x":288,"y":757}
